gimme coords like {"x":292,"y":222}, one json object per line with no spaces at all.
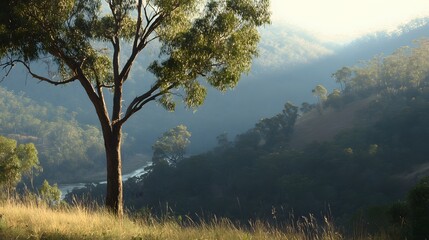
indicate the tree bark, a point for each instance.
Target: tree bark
{"x":114,"y":196}
{"x":112,"y":135}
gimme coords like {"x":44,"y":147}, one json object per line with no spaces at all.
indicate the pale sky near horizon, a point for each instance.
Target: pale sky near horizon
{"x":344,"y":20}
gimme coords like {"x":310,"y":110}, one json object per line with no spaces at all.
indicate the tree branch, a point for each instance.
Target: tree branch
{"x":10,"y":67}
{"x":143,"y":99}
{"x":11,"y":64}
{"x":107,"y":86}
{"x":139,"y":23}
{"x":140,"y":98}
{"x":152,"y":23}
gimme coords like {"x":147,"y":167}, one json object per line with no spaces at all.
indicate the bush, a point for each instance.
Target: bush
{"x":418,"y":200}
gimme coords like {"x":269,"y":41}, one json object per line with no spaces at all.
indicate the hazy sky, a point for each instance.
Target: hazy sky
{"x":343,"y":20}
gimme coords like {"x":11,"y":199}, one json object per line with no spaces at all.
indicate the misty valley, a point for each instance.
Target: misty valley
{"x":316,"y":141}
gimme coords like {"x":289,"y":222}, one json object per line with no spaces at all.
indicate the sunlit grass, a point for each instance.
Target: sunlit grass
{"x":29,"y":221}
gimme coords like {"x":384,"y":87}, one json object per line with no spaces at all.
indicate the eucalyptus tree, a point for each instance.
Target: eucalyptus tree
{"x":16,"y":161}
{"x":50,"y":194}
{"x":418,"y":63}
{"x":210,"y":41}
{"x":322,"y":94}
{"x":342,"y":76}
{"x":171,"y":146}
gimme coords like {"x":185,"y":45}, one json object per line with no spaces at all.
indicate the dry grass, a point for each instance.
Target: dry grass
{"x":314,"y":126}
{"x":28,"y":221}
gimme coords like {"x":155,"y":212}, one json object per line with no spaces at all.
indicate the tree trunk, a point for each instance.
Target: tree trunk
{"x":114,"y":201}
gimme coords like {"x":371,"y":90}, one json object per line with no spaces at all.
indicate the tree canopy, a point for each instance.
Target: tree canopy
{"x":217,"y":43}
{"x":406,"y":68}
{"x":16,"y":161}
{"x":50,"y":194}
{"x":171,"y":146}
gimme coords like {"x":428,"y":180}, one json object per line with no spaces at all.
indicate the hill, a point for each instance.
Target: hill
{"x":66,"y":148}
{"x":316,"y":126}
{"x":364,"y":146}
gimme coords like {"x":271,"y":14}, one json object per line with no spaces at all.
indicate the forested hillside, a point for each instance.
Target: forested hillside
{"x":372,"y":160}
{"x":66,"y":148}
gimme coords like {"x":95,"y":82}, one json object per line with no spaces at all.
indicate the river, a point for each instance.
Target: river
{"x":65,"y":188}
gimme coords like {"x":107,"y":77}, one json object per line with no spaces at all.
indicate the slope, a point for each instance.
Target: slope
{"x":371,"y":147}
{"x":316,"y":126}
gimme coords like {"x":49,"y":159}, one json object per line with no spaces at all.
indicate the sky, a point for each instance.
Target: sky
{"x":342,"y":21}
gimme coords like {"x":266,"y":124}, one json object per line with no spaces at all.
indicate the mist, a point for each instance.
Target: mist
{"x":291,"y":63}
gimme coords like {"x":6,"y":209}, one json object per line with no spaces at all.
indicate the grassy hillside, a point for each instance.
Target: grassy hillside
{"x":28,"y":221}
{"x":320,"y":127}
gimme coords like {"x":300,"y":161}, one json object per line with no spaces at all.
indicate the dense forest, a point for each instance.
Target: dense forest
{"x":355,"y":176}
